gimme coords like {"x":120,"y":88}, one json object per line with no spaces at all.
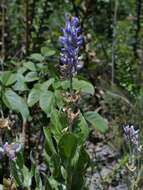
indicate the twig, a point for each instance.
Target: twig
{"x":114,"y":40}
{"x":138,"y":26}
{"x":23,"y":137}
{"x":27,"y":26}
{"x":3,"y":36}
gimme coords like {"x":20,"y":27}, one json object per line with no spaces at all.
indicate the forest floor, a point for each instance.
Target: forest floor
{"x":106,"y":173}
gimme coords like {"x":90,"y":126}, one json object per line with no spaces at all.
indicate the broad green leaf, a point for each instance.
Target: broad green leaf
{"x":7,"y":78}
{"x":30,"y":65}
{"x":79,"y":85}
{"x":82,"y":129}
{"x":31,"y":76}
{"x":21,"y":70}
{"x":83,"y":86}
{"x":96,"y":121}
{"x":64,"y":84}
{"x":56,"y":124}
{"x":45,"y":85}
{"x":15,"y":102}
{"x":33,"y":97}
{"x":47,"y":51}
{"x":59,"y":99}
{"x":37,"y":57}
{"x":67,"y":146}
{"x":47,"y":101}
{"x":20,"y":84}
{"x":55,"y":119}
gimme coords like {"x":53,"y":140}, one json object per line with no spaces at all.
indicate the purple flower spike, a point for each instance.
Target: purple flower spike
{"x":71,"y":43}
{"x":10,"y":150}
{"x":132,"y":136}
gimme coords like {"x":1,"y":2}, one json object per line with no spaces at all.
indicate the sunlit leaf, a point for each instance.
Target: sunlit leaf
{"x":37,"y":57}
{"x":96,"y":121}
{"x":33,"y":97}
{"x":16,"y":103}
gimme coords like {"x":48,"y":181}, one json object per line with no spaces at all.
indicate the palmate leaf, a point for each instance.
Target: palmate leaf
{"x":96,"y":121}
{"x":16,"y":103}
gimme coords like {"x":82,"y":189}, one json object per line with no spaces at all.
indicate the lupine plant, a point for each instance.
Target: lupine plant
{"x":134,"y":165}
{"x":62,"y":99}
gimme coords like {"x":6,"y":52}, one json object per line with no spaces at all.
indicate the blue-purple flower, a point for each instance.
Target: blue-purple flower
{"x":132,"y":136}
{"x":71,"y":43}
{"x":10,"y":150}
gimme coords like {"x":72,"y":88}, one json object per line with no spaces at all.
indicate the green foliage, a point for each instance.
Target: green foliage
{"x":96,"y":121}
{"x":16,"y":103}
{"x":67,"y":161}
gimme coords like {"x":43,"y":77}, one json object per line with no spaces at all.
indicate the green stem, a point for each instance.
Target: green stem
{"x":71,"y":84}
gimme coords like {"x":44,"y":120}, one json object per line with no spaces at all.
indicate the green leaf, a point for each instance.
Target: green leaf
{"x":18,"y":177}
{"x":20,"y":84}
{"x":67,"y":146}
{"x":47,"y":51}
{"x":15,"y":102}
{"x":56,"y":124}
{"x":80,"y":169}
{"x":49,"y":143}
{"x":47,"y":101}
{"x":59,"y":99}
{"x":45,"y":85}
{"x":64,"y":84}
{"x":79,"y":85}
{"x":30,"y":65}
{"x":31,"y":76}
{"x":7,"y":78}
{"x":33,"y":97}
{"x":38,"y":179}
{"x":27,"y":176}
{"x":37,"y":57}
{"x":83,"y":86}
{"x":19,"y":159}
{"x":52,"y":184}
{"x":56,"y":170}
{"x":82,"y":129}
{"x":83,"y":160}
{"x":96,"y":121}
